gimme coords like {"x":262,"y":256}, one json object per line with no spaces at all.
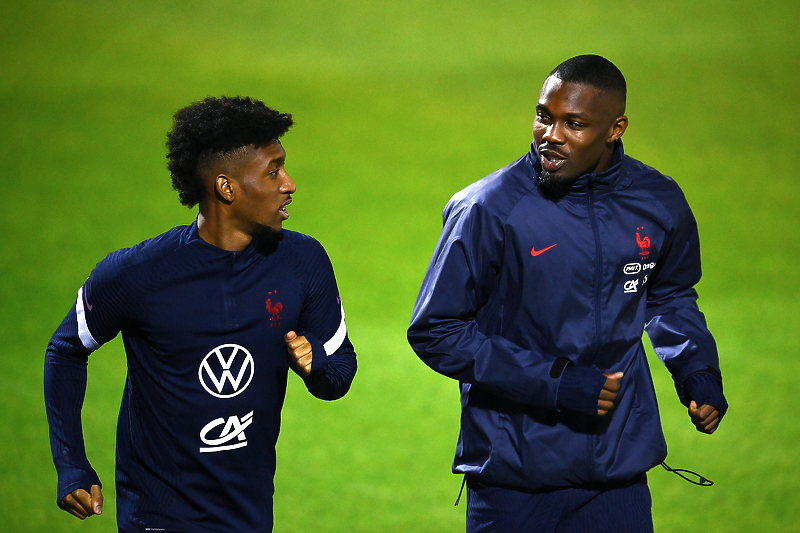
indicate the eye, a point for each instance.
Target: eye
{"x":275,"y":172}
{"x":574,"y":125}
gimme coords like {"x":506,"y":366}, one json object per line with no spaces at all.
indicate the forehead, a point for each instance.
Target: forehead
{"x":264,"y":155}
{"x":563,"y":97}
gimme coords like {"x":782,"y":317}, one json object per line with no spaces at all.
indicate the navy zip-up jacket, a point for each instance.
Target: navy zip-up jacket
{"x":520,"y":286}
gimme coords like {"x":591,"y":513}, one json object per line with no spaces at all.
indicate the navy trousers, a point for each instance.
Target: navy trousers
{"x":616,"y":508}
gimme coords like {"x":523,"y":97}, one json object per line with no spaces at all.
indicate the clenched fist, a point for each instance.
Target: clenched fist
{"x":705,"y":418}
{"x":609,"y":393}
{"x":82,"y":504}
{"x":300,"y":350}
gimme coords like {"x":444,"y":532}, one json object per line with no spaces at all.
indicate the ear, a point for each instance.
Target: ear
{"x":223,"y":188}
{"x":618,"y":128}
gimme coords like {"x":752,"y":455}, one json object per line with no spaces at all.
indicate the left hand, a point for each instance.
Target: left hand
{"x":300,"y":350}
{"x":705,"y":418}
{"x":82,"y":504}
{"x":608,"y":394}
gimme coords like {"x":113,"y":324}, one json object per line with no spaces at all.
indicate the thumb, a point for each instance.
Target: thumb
{"x":693,"y":407}
{"x":97,"y":499}
{"x":615,"y":375}
{"x":289,"y":337}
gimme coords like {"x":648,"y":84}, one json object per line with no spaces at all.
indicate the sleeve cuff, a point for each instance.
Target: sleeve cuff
{"x":705,"y":389}
{"x":319,"y":359}
{"x":74,"y":479}
{"x":579,"y":389}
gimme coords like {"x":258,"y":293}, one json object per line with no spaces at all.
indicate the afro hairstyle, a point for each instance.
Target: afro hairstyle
{"x":212,"y":130}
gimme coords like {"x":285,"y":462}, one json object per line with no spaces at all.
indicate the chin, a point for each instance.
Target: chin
{"x":554,"y":186}
{"x":268,"y":235}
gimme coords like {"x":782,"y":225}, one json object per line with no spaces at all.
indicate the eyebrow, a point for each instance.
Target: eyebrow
{"x":542,"y":107}
{"x":278,"y":161}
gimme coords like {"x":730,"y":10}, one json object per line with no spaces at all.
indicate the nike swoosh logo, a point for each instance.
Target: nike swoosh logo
{"x":535,"y":252}
{"x":86,"y":300}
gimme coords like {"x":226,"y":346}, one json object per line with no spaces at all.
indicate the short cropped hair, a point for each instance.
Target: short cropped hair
{"x":213,"y":130}
{"x":595,"y":71}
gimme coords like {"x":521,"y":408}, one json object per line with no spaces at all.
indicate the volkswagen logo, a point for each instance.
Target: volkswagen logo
{"x":227,"y":370}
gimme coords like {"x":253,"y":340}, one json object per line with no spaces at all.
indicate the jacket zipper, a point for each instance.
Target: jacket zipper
{"x":230,"y":311}
{"x":593,"y":423}
{"x":598,"y":286}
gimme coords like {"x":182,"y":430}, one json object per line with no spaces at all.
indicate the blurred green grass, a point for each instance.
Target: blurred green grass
{"x":398,"y":106}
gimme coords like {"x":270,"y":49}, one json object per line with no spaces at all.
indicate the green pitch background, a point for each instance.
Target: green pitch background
{"x":397,"y":106}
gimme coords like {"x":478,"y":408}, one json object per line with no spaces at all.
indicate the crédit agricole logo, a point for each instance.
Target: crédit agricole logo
{"x":225,"y":372}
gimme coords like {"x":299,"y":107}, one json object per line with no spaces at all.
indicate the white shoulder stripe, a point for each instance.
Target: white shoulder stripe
{"x":83,"y":329}
{"x":336,"y":341}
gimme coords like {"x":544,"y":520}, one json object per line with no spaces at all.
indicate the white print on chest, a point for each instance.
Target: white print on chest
{"x":233,"y":429}
{"x":632,"y":269}
{"x":226,"y":363}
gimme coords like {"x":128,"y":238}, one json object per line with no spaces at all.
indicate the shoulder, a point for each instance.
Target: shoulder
{"x":302,"y":250}
{"x":497,"y":193}
{"x":138,"y":258}
{"x":297,"y":242}
{"x":649,"y":183}
{"x":646,"y":178}
{"x":306,"y":259}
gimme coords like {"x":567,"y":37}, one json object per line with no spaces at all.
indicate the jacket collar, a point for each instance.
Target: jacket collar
{"x":615,"y":177}
{"x":254,"y":250}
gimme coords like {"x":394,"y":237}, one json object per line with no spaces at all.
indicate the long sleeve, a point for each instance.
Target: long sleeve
{"x":675,"y":324}
{"x":445,"y":331}
{"x":93,"y":320}
{"x":64,"y":389}
{"x":323,"y":323}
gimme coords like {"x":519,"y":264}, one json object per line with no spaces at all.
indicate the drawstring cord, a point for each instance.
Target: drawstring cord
{"x":702,"y":481}
{"x":461,"y":491}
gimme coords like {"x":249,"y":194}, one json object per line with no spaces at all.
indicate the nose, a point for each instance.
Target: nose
{"x":288,"y":185}
{"x":553,"y":134}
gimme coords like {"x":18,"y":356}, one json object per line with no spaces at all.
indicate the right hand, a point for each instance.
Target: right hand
{"x":300,"y":350}
{"x":82,"y":504}
{"x":609,"y":393}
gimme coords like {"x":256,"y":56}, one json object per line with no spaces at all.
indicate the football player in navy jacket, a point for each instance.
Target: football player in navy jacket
{"x":212,"y":317}
{"x":546,"y":274}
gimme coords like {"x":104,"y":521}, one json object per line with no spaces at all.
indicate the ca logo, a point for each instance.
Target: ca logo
{"x":632,"y":285}
{"x":219,"y":366}
{"x":233,"y":429}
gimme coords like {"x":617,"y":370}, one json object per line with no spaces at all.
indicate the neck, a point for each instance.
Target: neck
{"x":216,"y":232}
{"x":606,"y":160}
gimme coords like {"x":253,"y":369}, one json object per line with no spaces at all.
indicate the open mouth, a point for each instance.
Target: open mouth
{"x":551,"y":160}
{"x":282,"y":210}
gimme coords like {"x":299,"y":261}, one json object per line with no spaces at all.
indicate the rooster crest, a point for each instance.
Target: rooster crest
{"x":274,"y":310}
{"x":644,"y":243}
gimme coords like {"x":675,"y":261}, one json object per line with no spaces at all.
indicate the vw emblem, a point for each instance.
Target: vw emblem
{"x":227,"y":370}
